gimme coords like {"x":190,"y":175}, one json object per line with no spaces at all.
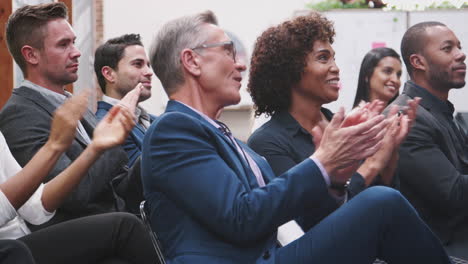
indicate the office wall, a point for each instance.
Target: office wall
{"x":357,"y":32}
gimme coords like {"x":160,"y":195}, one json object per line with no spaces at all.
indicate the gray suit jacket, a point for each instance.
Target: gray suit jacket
{"x":433,"y":164}
{"x":25,"y":122}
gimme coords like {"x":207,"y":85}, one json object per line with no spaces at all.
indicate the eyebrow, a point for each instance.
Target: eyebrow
{"x":324,"y":51}
{"x":451,"y":42}
{"x":66,"y":39}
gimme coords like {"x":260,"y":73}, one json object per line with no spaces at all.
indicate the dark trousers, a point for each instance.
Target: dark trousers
{"x":458,"y":245}
{"x":14,"y":252}
{"x":378,"y":223}
{"x":106,"y":238}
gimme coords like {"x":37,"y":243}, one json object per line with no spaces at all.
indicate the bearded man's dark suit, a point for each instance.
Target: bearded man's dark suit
{"x":433,"y":164}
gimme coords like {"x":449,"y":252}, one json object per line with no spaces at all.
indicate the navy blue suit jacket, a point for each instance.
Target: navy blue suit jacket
{"x":134,"y":140}
{"x":204,"y":200}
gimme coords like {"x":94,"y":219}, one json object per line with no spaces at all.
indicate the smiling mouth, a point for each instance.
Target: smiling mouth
{"x":390,"y":87}
{"x":334,"y":83}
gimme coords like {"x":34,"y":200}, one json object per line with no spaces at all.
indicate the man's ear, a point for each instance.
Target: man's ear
{"x":190,"y":61}
{"x":418,"y":62}
{"x":108,"y":73}
{"x":30,"y":54}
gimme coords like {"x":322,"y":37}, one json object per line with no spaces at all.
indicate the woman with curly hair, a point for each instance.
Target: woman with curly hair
{"x":293,"y":73}
{"x":379,"y":76}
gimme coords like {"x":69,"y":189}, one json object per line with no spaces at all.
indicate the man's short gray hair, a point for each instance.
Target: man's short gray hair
{"x":174,"y":36}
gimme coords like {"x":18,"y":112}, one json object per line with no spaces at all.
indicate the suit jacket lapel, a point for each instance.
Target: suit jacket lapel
{"x":248,"y":177}
{"x":36,"y":98}
{"x":262,"y":164}
{"x":45,"y":104}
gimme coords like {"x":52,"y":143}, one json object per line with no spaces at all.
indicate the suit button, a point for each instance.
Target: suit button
{"x":266,"y":255}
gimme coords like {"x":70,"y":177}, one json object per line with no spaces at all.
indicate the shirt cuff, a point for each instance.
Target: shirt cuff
{"x":33,"y":210}
{"x":7,"y":210}
{"x":339,"y":199}
{"x":325,"y":175}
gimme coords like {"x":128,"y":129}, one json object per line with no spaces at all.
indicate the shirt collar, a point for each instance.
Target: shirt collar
{"x":288,"y":122}
{"x":432,"y":100}
{"x":207,"y":118}
{"x":55,"y":98}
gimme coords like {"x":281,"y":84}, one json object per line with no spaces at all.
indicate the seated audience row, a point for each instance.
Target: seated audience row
{"x":92,"y":239}
{"x":61,"y":179}
{"x":211,"y":198}
{"x":214,"y":200}
{"x":433,"y":163}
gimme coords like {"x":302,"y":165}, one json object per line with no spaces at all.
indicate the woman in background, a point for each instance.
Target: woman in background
{"x":379,"y":76}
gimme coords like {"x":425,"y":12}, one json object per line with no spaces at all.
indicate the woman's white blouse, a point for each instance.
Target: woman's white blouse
{"x":12,"y":222}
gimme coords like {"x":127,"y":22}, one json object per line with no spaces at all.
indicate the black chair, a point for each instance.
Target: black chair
{"x":154,"y":237}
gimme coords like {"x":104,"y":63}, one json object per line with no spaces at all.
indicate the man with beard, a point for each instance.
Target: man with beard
{"x":433,"y":164}
{"x":120,"y":64}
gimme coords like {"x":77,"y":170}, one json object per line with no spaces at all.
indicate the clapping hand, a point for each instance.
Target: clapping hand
{"x":130,"y":100}
{"x":385,"y":160}
{"x":119,"y":121}
{"x":345,"y":143}
{"x":65,"y":120}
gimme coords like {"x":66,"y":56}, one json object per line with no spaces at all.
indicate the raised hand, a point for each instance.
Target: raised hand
{"x":363,"y":112}
{"x":385,"y":160}
{"x":65,"y":121}
{"x":113,"y":128}
{"x":407,"y":120}
{"x":341,"y":146}
{"x":130,"y":100}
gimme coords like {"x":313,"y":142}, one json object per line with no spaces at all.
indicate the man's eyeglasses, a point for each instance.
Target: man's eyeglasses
{"x":227,"y":45}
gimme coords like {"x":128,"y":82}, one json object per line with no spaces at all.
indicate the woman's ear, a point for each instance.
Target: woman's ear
{"x":191,"y":61}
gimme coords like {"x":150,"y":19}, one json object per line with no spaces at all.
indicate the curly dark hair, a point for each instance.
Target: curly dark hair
{"x":280,"y":57}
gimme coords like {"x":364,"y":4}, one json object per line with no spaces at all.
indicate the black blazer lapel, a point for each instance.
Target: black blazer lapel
{"x":36,"y":98}
{"x":44,"y":103}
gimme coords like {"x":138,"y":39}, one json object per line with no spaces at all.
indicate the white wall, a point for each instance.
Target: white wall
{"x":246,"y":18}
{"x":356,"y":31}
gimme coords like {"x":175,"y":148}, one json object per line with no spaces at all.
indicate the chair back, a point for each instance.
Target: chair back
{"x":154,"y":237}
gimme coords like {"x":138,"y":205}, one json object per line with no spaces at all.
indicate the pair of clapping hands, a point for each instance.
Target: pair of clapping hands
{"x":111,"y":131}
{"x":363,"y":134}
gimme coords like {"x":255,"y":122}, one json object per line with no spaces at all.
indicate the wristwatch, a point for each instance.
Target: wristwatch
{"x":340,"y":186}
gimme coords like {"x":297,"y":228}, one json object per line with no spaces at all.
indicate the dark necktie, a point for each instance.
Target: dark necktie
{"x":144,"y":119}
